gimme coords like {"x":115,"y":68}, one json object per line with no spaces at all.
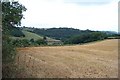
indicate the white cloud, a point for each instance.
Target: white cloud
{"x":56,"y":13}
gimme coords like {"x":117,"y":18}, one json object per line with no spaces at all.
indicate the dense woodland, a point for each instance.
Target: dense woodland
{"x":71,"y":35}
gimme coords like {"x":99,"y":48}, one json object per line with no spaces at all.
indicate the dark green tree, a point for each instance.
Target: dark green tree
{"x":41,"y":42}
{"x":44,"y":38}
{"x":32,"y":40}
{"x":11,"y":17}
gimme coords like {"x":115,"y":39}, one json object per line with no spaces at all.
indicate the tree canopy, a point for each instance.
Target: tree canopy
{"x":12,"y":13}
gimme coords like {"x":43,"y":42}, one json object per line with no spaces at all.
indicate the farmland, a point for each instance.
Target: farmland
{"x":93,"y":60}
{"x":64,"y":49}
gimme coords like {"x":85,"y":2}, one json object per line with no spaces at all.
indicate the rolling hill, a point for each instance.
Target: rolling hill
{"x":28,"y":35}
{"x":65,"y":34}
{"x":31,"y":35}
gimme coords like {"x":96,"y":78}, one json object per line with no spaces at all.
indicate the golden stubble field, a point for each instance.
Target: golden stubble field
{"x":93,"y":60}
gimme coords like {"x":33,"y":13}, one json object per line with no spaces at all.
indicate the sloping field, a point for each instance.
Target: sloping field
{"x":30,"y":35}
{"x":94,"y":60}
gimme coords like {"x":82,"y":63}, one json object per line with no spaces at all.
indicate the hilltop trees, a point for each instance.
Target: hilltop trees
{"x":71,"y":35}
{"x":57,"y":33}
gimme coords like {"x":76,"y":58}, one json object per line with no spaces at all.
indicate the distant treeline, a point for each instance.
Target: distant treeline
{"x":87,"y":37}
{"x":66,"y":35}
{"x":73,"y":36}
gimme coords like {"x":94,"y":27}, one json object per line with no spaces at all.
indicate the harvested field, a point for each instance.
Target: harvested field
{"x":94,"y":60}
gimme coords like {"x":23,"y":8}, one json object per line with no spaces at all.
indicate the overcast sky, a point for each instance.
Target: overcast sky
{"x":80,"y":14}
